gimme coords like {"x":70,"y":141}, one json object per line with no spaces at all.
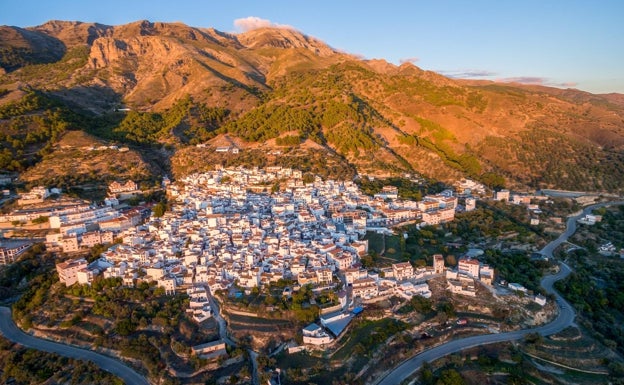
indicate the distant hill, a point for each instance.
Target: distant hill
{"x":286,"y":98}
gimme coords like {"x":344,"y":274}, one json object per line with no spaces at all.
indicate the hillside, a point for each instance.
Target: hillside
{"x":277,"y":91}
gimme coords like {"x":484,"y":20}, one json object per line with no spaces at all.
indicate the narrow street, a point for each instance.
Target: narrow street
{"x":221,"y":322}
{"x":253,"y":356}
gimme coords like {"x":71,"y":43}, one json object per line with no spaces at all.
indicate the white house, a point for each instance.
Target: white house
{"x":313,"y":334}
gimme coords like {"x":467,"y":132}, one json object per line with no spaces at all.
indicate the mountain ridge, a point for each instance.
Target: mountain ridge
{"x":281,"y":87}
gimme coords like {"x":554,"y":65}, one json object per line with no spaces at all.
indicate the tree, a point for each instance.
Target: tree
{"x":426,"y":374}
{"x":493,"y":181}
{"x":308,"y":178}
{"x":451,"y":260}
{"x":125,"y":327}
{"x":40,"y":220}
{"x":450,"y":377}
{"x":447,"y":308}
{"x":159,"y":209}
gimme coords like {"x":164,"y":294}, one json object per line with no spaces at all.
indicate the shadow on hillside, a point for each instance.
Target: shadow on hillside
{"x":22,"y":47}
{"x":93,"y":99}
{"x":252,"y":90}
{"x":100,"y":110}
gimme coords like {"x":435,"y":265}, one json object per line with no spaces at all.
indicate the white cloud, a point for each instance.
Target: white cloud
{"x":532,"y":80}
{"x":467,"y":74}
{"x":253,"y":22}
{"x":539,"y":81}
{"x":412,"y":60}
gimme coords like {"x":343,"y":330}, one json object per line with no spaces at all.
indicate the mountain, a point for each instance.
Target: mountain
{"x":287,"y":98}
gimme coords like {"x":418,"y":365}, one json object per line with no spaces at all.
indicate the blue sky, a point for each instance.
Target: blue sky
{"x":571,"y":43}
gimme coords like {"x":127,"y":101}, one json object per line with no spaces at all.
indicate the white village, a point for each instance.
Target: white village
{"x":254,"y":227}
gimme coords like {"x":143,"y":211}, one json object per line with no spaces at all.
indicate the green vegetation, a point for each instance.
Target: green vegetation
{"x":349,"y":139}
{"x":596,"y":287}
{"x":141,"y":127}
{"x":321,"y":106}
{"x":269,"y":121}
{"x":505,"y":90}
{"x":438,"y":96}
{"x":31,"y":264}
{"x":584,"y":359}
{"x":358,"y":347}
{"x":554,"y":160}
{"x":273,"y":304}
{"x":317,"y":162}
{"x":159,"y":209}
{"x":14,"y":57}
{"x":328,"y":106}
{"x":517,"y":267}
{"x":493,"y":180}
{"x":566,"y":357}
{"x":40,"y":220}
{"x":58,"y":71}
{"x":493,"y":219}
{"x":480,"y":365}
{"x":143,"y":322}
{"x":367,"y":335}
{"x":475,"y":101}
{"x":185,"y":121}
{"x":288,"y":140}
{"x":28,"y":128}
{"x":31,"y":127}
{"x":417,"y":304}
{"x":487,"y":223}
{"x":435,"y":138}
{"x":131,"y":307}
{"x":408,"y":189}
{"x":28,"y":366}
{"x":203,"y":121}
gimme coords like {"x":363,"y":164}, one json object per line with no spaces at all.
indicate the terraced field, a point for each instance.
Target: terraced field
{"x":573,"y":356}
{"x":263,"y":330}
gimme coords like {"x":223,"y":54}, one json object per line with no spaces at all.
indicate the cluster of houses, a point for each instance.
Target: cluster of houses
{"x":462,"y":280}
{"x":128,"y":186}
{"x":590,"y":219}
{"x":81,"y":226}
{"x":199,"y":306}
{"x":232,"y":226}
{"x":104,"y":148}
{"x":254,"y":227}
{"x":11,"y":249}
{"x":403,"y":280}
{"x":76,"y":225}
{"x":469,"y":187}
{"x":36,"y":195}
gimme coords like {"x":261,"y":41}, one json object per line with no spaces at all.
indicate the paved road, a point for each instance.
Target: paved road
{"x":214,"y":306}
{"x":564,"y":319}
{"x":10,"y":331}
{"x":571,"y":227}
{"x":253,"y":356}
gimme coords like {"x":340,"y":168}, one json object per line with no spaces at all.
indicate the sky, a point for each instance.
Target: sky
{"x":561,"y":43}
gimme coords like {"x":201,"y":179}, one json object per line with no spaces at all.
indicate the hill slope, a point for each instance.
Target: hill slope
{"x":278,"y":91}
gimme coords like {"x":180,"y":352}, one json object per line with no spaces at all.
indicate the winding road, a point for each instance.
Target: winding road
{"x":564,"y":319}
{"x":10,"y":331}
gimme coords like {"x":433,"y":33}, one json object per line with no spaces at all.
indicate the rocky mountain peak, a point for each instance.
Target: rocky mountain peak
{"x":283,"y":38}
